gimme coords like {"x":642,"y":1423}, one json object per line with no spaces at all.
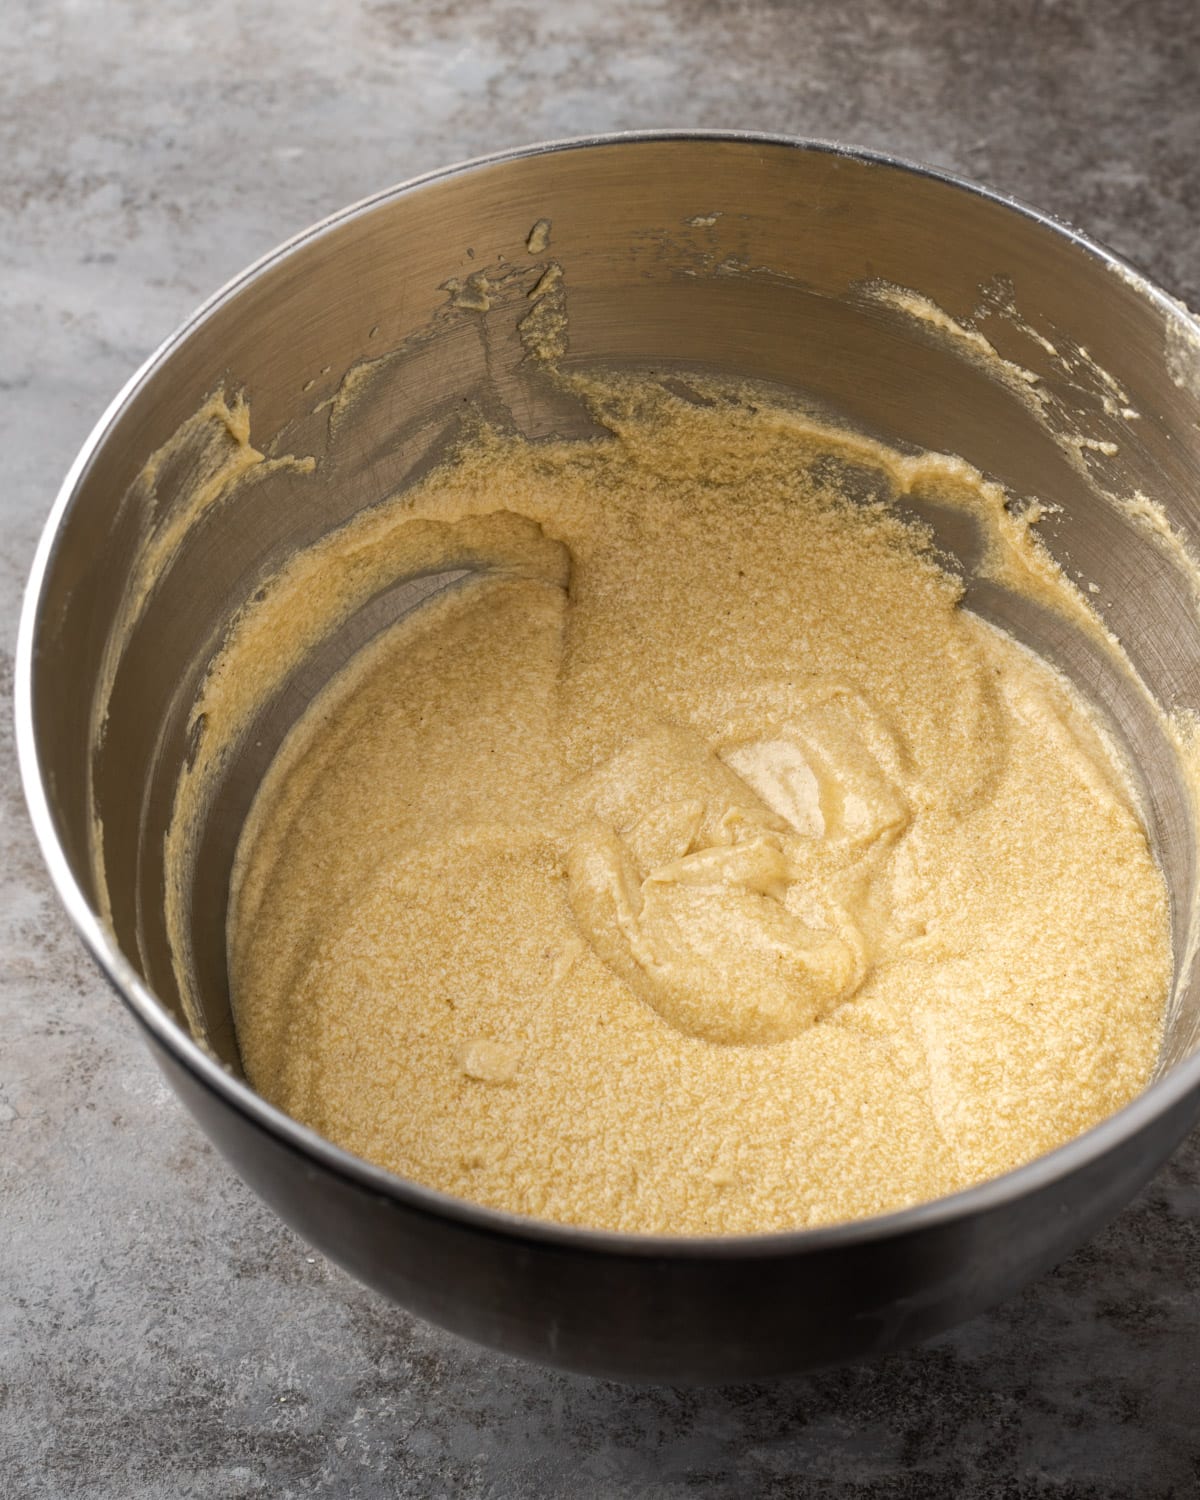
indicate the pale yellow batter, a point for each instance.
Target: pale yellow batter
{"x":695,"y":864}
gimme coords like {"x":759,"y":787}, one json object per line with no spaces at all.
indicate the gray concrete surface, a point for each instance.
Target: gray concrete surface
{"x":161,"y":1335}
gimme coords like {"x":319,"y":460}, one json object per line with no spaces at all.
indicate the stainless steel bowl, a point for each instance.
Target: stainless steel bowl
{"x":737,"y":254}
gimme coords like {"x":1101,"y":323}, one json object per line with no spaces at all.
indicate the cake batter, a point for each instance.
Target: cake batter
{"x":695,"y":864}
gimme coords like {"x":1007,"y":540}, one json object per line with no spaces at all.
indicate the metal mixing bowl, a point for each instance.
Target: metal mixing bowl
{"x":730,"y":253}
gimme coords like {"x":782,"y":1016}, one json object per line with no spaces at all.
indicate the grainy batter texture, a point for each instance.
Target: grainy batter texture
{"x":696,"y":864}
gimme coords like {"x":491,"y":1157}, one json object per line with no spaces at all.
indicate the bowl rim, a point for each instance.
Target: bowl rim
{"x":1182,"y":1079}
